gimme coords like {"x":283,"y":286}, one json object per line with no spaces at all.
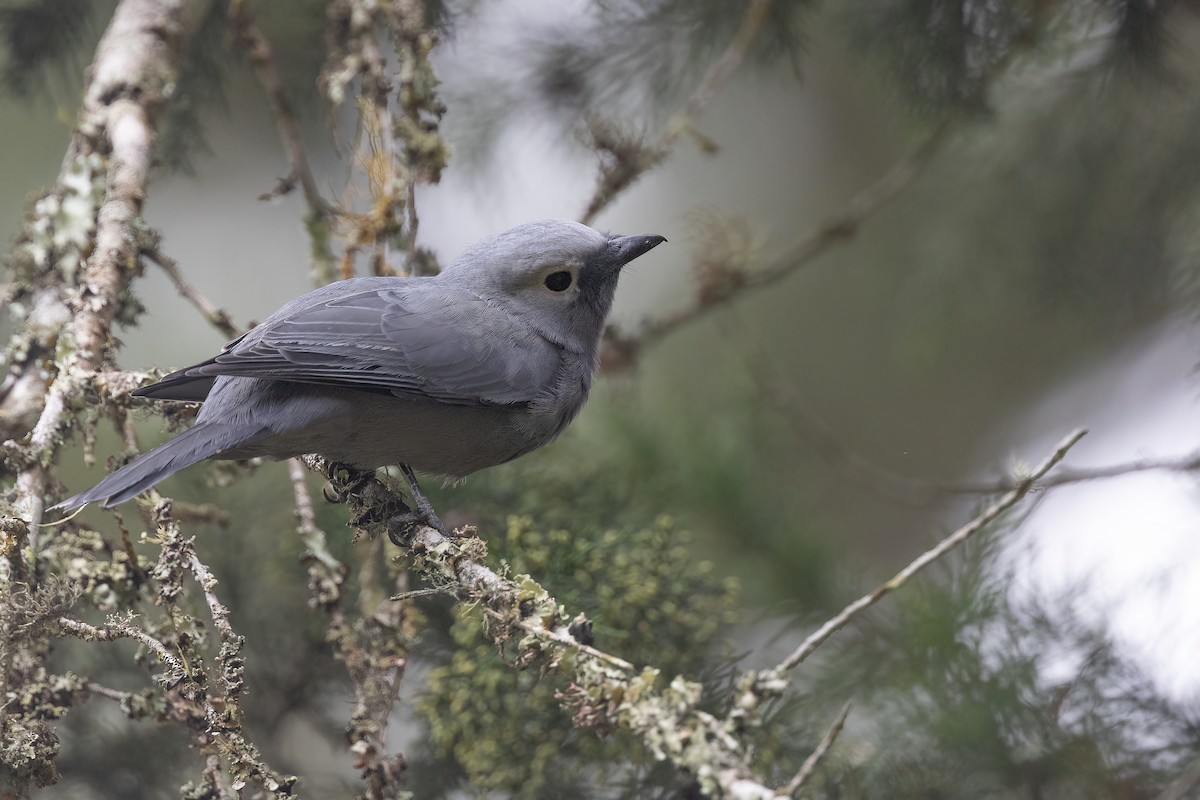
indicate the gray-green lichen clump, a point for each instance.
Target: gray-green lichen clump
{"x":654,"y":602}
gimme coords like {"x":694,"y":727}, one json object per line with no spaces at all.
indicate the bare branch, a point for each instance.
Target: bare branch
{"x":810,"y":764}
{"x":104,"y":691}
{"x":837,"y":229}
{"x":923,"y":491}
{"x":989,"y":515}
{"x":218,"y":317}
{"x":262,"y":60}
{"x":1184,"y":784}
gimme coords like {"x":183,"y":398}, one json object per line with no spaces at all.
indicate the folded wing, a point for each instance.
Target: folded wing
{"x":439,"y":342}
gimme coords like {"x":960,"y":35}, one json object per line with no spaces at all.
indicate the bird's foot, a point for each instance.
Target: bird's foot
{"x":338,"y":488}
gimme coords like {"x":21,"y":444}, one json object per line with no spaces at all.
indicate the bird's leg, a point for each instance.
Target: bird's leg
{"x":424,"y":509}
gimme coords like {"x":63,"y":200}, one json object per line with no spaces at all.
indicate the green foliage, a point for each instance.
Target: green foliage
{"x":652,"y":602}
{"x":954,"y":676}
{"x":938,"y":52}
{"x":39,"y":36}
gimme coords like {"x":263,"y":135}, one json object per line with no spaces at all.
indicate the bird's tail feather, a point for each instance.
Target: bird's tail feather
{"x":195,"y":444}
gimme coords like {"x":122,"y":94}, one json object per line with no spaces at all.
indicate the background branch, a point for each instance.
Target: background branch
{"x":989,"y":515}
{"x":629,"y":162}
{"x":809,"y":766}
{"x":623,"y":350}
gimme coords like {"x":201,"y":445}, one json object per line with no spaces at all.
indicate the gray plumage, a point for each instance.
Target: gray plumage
{"x":449,"y":374}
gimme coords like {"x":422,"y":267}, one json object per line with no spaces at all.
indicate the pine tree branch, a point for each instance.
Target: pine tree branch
{"x":631,"y":162}
{"x":1023,"y":487}
{"x":835,"y":230}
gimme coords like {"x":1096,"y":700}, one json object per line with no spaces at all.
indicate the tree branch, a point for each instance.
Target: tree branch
{"x":262,"y":61}
{"x":134,"y":73}
{"x":630,"y":162}
{"x":923,"y":491}
{"x":989,"y":515}
{"x":606,"y":690}
{"x":836,"y":229}
{"x":809,"y":766}
{"x":217,"y":317}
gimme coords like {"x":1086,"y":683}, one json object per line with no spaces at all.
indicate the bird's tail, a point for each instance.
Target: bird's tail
{"x":195,"y":444}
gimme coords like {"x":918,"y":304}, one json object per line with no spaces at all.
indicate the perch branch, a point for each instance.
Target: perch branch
{"x":605,"y":687}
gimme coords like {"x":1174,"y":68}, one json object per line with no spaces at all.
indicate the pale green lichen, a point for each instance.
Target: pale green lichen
{"x":660,"y":608}
{"x":59,"y":231}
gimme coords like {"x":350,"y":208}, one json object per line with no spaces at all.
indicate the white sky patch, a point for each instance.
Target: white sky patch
{"x":1124,"y":553}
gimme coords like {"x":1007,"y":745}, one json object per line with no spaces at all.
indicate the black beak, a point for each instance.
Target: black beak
{"x":623,"y":249}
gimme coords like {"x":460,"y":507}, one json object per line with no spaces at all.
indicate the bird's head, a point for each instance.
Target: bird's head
{"x":559,"y":276}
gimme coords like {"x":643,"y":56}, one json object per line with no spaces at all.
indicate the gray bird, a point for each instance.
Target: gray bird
{"x":448,"y":374}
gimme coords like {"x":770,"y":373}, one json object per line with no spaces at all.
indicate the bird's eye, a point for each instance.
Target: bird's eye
{"x":558,"y":281}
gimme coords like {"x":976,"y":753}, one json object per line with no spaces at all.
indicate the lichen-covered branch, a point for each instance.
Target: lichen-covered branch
{"x":400,"y":146}
{"x":75,"y":257}
{"x":606,"y":691}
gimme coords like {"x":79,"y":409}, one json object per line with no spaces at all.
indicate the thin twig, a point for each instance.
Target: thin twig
{"x":104,"y":691}
{"x":326,"y":573}
{"x":218,"y":317}
{"x":989,"y":515}
{"x":837,"y":229}
{"x":840,"y":227}
{"x":621,"y":176}
{"x":117,"y":629}
{"x":923,"y":491}
{"x":262,"y":60}
{"x":232,"y":679}
{"x":1183,"y":785}
{"x":810,"y":764}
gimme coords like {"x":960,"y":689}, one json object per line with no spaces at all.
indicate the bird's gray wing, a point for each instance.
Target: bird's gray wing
{"x":434,"y":341}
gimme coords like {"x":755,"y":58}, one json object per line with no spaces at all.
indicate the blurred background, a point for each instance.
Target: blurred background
{"x":784,"y":452}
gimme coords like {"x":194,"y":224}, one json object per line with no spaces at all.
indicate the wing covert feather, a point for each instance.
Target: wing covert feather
{"x":441,"y":343}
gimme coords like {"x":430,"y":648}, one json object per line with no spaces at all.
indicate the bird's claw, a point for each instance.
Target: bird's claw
{"x":337,"y":488}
